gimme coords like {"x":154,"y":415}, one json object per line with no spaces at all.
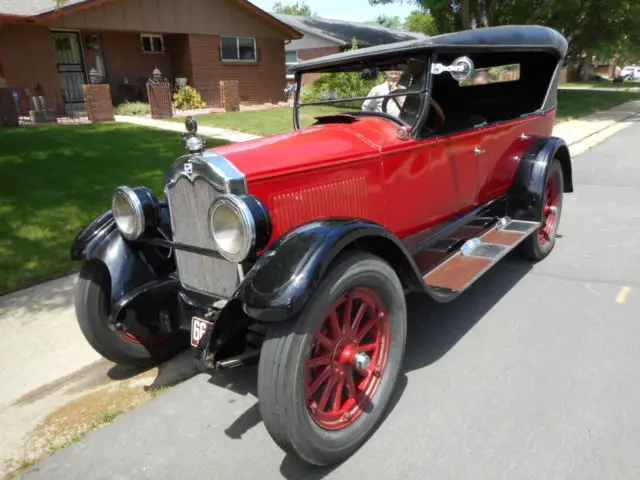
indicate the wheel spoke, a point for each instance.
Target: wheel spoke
{"x":337,"y":398}
{"x":319,"y":361}
{"x":319,"y":380}
{"x":351,"y":385}
{"x":325,"y":341}
{"x":324,"y":399}
{"x":367,"y":327}
{"x":359,"y":316}
{"x":335,"y":325}
{"x":368,"y":347}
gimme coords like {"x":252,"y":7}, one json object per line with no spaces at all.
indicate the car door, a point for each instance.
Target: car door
{"x":428,"y":182}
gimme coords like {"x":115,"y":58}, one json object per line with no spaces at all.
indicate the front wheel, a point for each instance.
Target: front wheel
{"x":92,"y":301}
{"x":326,"y":378}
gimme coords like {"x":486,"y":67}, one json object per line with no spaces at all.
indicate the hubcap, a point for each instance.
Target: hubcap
{"x":347,"y":359}
{"x":549,"y":211}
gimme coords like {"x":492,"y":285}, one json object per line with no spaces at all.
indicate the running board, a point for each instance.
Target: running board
{"x":478,"y":255}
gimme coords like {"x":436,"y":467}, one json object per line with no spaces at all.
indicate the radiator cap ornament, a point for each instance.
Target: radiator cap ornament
{"x":191,"y":139}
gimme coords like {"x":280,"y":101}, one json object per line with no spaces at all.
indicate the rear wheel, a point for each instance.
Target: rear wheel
{"x":92,"y":301}
{"x":540,"y":243}
{"x":325,"y":379}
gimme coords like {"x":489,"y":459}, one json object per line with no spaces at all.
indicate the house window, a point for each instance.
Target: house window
{"x":152,"y":43}
{"x":291,"y":57}
{"x":241,"y":49}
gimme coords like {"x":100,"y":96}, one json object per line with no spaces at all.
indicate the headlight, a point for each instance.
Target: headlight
{"x":238,"y":225}
{"x":135,"y":210}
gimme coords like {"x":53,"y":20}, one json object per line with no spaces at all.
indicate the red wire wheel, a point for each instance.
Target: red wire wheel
{"x":327,"y":375}
{"x":549,"y":210}
{"x":347,"y":358}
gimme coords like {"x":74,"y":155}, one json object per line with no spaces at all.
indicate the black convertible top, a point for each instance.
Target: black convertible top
{"x":504,"y":38}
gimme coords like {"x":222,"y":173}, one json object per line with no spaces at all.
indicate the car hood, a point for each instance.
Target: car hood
{"x":298,"y":151}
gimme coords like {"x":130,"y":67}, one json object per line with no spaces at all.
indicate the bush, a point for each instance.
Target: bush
{"x":133,"y":108}
{"x":339,"y":85}
{"x":187,"y":98}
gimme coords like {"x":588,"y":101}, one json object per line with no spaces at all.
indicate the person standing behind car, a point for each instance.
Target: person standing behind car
{"x":390,"y":85}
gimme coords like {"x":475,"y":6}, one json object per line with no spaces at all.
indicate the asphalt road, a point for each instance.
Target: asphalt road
{"x":532,"y":374}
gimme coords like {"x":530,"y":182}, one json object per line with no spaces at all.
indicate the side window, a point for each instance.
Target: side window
{"x":497,"y":74}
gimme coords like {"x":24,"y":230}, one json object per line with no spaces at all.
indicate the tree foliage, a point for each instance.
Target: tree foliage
{"x":297,"y":8}
{"x":589,"y":25}
{"x":421,"y":22}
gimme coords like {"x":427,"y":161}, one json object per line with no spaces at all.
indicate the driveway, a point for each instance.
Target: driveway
{"x":533,"y":373}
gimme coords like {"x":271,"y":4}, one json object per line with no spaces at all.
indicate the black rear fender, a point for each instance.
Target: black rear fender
{"x":527,"y":189}
{"x":284,"y":278}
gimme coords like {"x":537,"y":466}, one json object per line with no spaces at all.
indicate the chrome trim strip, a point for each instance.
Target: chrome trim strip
{"x":215,"y":169}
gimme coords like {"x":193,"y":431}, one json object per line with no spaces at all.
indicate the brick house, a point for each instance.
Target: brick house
{"x":324,"y":36}
{"x":120,"y":42}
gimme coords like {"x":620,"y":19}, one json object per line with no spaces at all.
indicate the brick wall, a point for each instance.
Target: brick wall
{"x":98,"y":103}
{"x":123,"y":58}
{"x":27,"y":58}
{"x":309,"y":53}
{"x":259,"y":82}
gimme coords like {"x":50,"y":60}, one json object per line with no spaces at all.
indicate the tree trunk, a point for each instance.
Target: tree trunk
{"x":587,"y":67}
{"x":465,"y":15}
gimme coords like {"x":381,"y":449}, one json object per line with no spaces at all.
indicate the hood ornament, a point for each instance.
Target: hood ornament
{"x":190,"y":139}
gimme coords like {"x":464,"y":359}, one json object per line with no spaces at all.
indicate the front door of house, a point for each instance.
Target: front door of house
{"x":71,"y":71}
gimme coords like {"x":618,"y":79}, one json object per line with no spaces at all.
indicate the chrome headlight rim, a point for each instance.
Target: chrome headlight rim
{"x":144,"y":207}
{"x":243,"y":212}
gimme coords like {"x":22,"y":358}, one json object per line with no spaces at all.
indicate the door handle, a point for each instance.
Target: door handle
{"x":478,"y":151}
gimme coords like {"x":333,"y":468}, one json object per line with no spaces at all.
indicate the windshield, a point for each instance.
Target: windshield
{"x":390,"y":90}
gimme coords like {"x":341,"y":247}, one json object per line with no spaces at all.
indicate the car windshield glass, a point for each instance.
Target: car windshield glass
{"x":390,"y":90}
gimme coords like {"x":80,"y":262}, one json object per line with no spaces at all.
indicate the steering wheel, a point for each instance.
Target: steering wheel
{"x":436,"y":108}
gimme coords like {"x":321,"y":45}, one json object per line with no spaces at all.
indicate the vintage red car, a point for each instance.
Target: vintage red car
{"x":426,"y":163}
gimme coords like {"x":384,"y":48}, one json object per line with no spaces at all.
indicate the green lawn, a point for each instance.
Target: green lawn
{"x":264,"y":122}
{"x":571,"y":104}
{"x":620,"y":85}
{"x":578,"y":103}
{"x":55,"y":179}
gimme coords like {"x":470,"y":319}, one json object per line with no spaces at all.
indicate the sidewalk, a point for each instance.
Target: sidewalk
{"x":212,"y":132}
{"x":583,"y":133}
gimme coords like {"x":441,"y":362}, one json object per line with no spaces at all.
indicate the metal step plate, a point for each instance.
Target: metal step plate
{"x":478,"y":255}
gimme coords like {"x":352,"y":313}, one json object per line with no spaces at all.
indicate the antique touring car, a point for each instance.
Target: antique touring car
{"x":426,"y":163}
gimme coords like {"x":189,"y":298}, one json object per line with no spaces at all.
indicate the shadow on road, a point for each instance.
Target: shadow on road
{"x":433,"y":330}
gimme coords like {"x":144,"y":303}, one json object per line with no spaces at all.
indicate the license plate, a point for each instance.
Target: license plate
{"x":198,"y":329}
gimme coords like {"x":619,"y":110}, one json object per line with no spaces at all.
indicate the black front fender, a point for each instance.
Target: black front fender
{"x":283,"y":279}
{"x":131,"y":265}
{"x":527,"y":189}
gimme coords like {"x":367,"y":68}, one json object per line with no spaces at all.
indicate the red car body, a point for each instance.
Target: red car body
{"x":300,"y":247}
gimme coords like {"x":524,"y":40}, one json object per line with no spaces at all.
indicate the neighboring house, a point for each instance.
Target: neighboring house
{"x":121,"y":42}
{"x":324,"y":36}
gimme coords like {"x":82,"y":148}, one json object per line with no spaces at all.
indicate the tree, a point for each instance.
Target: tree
{"x":387,"y":21}
{"x":60,"y":3}
{"x":298,"y":8}
{"x":420,"y":22}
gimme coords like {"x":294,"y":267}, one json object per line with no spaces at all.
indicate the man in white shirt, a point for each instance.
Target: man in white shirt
{"x":390,"y":85}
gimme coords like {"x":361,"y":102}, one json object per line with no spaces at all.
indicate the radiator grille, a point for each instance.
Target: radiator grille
{"x":189,"y":206}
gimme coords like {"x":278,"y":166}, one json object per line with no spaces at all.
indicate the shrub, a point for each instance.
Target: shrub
{"x":133,"y":108}
{"x":187,"y":98}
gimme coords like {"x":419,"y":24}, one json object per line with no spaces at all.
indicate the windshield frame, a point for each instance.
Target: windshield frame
{"x":422,"y":93}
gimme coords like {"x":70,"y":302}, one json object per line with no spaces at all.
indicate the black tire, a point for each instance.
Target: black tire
{"x":281,"y":371}
{"x":92,"y":299}
{"x":534,"y":247}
